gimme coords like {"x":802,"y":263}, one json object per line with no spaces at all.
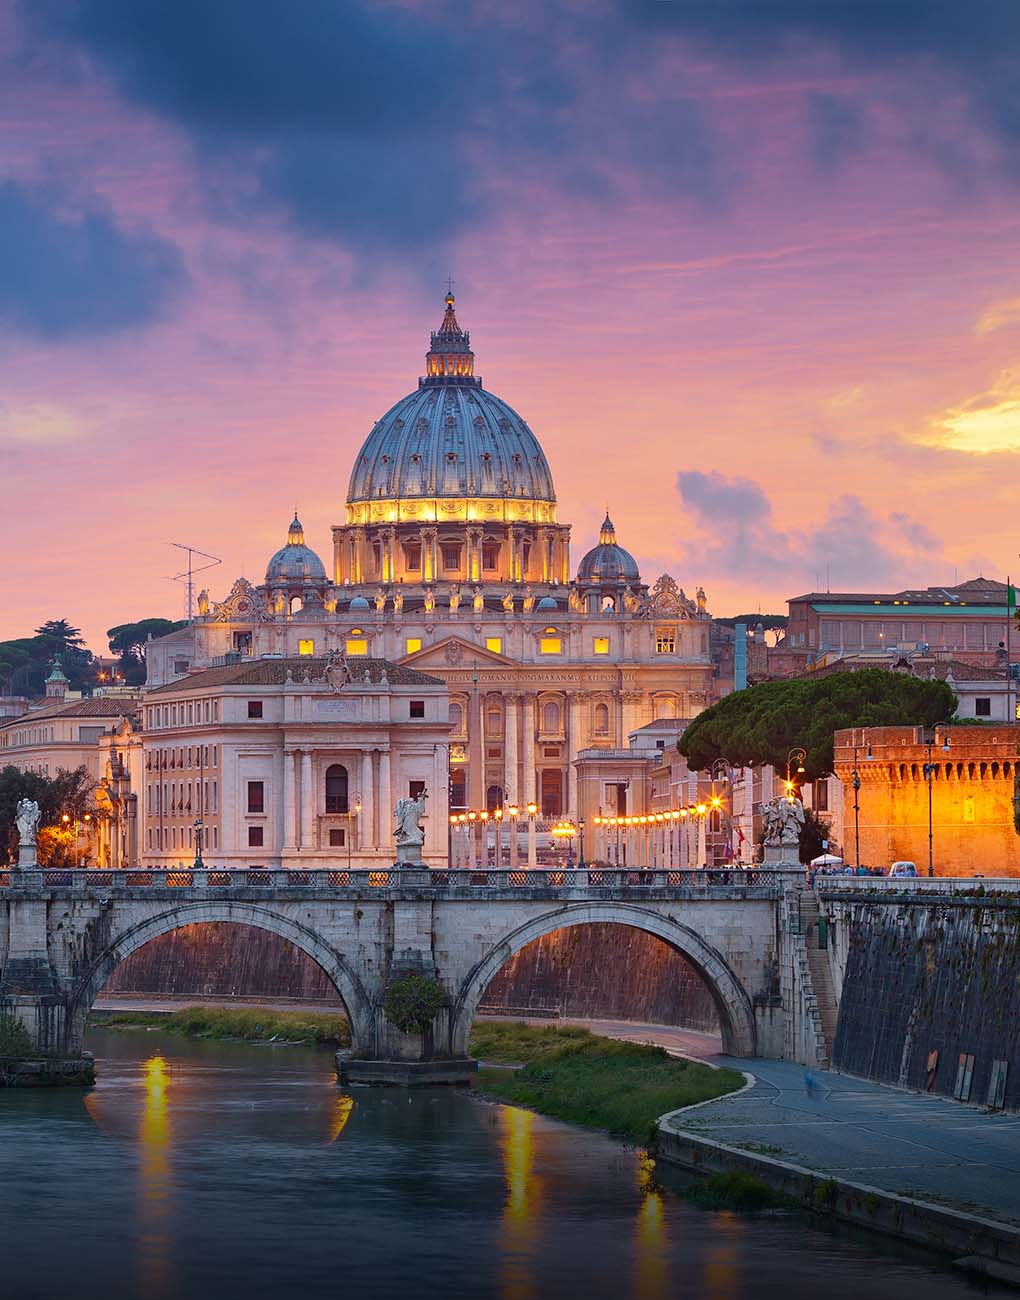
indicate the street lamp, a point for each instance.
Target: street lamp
{"x":929,"y":771}
{"x":532,"y":809}
{"x":513,"y":812}
{"x":199,"y":827}
{"x":796,"y":755}
{"x":352,"y":814}
{"x":580,"y":830}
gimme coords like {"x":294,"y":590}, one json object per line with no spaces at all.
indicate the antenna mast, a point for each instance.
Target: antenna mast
{"x":188,"y":576}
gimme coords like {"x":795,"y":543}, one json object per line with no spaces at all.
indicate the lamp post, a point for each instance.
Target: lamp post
{"x":701,"y":809}
{"x":532,"y":841}
{"x":498,"y":819}
{"x":721,"y":773}
{"x":580,"y":833}
{"x":513,"y":812}
{"x":351,"y":825}
{"x":930,"y":741}
{"x":796,"y":755}
{"x":199,"y":827}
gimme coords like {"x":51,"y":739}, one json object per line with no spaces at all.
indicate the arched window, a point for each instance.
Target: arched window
{"x":336,"y":788}
{"x":601,"y":719}
{"x":494,"y":797}
{"x":456,"y":719}
{"x":551,"y":717}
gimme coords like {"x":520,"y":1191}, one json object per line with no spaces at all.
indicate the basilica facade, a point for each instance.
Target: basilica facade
{"x":452,"y":561}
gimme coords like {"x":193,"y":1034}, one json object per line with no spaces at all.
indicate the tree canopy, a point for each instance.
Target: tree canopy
{"x":68,"y":792}
{"x":763,"y":723}
{"x":25,"y":661}
{"x":127,"y":641}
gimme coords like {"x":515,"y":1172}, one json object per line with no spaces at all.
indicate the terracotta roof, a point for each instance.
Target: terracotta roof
{"x":100,"y":706}
{"x":273,"y":672}
{"x":915,"y":666}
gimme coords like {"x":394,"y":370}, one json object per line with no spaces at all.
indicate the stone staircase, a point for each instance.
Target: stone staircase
{"x":821,"y":974}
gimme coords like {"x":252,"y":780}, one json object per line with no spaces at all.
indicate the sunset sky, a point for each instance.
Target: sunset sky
{"x":750,"y":269}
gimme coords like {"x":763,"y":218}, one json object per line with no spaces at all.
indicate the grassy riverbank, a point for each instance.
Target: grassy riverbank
{"x":245,"y":1024}
{"x":573,"y":1075}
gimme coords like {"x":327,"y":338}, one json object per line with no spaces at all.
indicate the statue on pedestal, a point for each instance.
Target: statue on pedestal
{"x":27,"y":816}
{"x":409,"y":834}
{"x":783,"y":820}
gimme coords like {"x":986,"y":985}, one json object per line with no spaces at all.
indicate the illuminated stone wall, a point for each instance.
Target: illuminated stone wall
{"x":972,"y":790}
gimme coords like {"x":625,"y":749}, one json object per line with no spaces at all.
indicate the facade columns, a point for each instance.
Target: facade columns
{"x":307,"y":801}
{"x":289,"y":801}
{"x":476,"y":751}
{"x":510,"y":750}
{"x":528,"y":782}
{"x":385,"y":806}
{"x":367,"y":800}
{"x":576,"y":705}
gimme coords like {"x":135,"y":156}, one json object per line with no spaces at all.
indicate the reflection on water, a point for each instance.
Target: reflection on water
{"x":341,"y":1114}
{"x":722,"y":1260}
{"x":155,"y":1204}
{"x":523,"y":1197}
{"x":650,"y":1244}
{"x":241,"y":1172}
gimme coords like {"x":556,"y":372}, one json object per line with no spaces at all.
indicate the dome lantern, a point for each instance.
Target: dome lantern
{"x":449,"y":358}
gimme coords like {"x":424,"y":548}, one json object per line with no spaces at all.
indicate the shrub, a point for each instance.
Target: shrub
{"x":15,"y":1039}
{"x":413,"y":1002}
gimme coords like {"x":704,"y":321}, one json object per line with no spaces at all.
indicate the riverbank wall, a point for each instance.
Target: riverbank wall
{"x":983,"y":1246}
{"x":927,"y":980}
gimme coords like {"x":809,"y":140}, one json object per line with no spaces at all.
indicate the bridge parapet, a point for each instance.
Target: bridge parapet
{"x":397,"y":882}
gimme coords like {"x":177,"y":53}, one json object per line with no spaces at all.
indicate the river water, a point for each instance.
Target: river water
{"x":208,"y":1169}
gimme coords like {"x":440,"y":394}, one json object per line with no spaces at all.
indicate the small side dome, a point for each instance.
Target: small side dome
{"x":608,"y":562}
{"x":546,"y":602}
{"x":359,"y":603}
{"x":295,"y":562}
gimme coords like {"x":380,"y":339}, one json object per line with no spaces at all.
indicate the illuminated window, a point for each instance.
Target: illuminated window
{"x":412,"y":645}
{"x":601,"y":645}
{"x":451,"y":556}
{"x":306,"y":647}
{"x":494,"y":643}
{"x":551,"y":645}
{"x":665,"y":641}
{"x":490,"y":555}
{"x":357,"y":645}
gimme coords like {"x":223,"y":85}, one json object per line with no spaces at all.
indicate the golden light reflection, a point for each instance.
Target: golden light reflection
{"x":341,"y":1114}
{"x":722,"y":1261}
{"x":651,"y":1245}
{"x":520,"y":1214}
{"x":156,"y":1200}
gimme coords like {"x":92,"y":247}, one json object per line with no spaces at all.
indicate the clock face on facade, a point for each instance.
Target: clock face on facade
{"x":244,"y":606}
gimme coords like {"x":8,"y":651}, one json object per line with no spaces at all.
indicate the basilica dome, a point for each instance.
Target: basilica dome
{"x":608,"y":562}
{"x":450,"y":438}
{"x":295,"y":562}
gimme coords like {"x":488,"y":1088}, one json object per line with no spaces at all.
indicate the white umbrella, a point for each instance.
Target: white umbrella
{"x":827,"y":860}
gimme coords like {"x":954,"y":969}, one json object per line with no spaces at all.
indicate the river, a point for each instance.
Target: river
{"x":200,"y":1169}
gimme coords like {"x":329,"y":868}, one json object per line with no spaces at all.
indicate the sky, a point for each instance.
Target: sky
{"x":750,"y":269}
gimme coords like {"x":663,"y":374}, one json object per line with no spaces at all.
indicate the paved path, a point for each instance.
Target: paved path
{"x":913,"y":1144}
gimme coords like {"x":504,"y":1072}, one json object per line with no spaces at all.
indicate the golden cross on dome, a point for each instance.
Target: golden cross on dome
{"x":449,"y":284}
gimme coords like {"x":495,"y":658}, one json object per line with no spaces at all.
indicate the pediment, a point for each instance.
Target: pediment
{"x":455,"y":652}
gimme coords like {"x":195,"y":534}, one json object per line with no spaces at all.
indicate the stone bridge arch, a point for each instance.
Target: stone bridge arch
{"x":128,"y":940}
{"x":733,"y":1004}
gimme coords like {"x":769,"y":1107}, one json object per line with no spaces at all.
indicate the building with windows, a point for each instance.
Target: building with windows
{"x":968,"y":620}
{"x":451,"y":560}
{"x":275,"y":762}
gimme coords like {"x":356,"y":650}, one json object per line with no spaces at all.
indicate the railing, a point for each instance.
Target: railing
{"x":603,"y":880}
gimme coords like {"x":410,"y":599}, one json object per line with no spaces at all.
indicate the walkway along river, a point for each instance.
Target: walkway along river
{"x":209,"y":1169}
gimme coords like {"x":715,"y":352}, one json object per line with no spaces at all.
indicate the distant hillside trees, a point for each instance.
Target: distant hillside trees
{"x":128,"y":640}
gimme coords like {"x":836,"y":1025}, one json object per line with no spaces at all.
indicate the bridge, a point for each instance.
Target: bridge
{"x":63,"y":933}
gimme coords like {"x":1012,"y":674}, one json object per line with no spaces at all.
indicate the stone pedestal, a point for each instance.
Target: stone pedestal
{"x":782,"y":855}
{"x":405,"y":1074}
